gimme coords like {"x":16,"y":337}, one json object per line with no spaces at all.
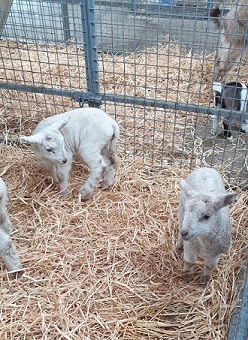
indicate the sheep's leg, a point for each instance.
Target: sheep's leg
{"x":187,"y":275}
{"x":97,"y":166}
{"x":227,"y":129}
{"x":215,"y":124}
{"x":110,"y":170}
{"x":209,"y":264}
{"x":51,"y":169}
{"x":244,"y":127}
{"x":179,"y":247}
{"x":5,"y":222}
{"x":9,"y":253}
{"x":108,"y":177}
{"x":189,"y":260}
{"x":62,"y":172}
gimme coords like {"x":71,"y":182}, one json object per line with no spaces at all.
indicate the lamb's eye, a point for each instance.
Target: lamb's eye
{"x":206,"y":217}
{"x":49,"y":150}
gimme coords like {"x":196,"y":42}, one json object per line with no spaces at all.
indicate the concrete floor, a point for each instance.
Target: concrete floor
{"x":118,"y":29}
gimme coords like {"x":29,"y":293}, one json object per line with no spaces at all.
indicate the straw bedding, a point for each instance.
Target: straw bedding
{"x":107,"y":269}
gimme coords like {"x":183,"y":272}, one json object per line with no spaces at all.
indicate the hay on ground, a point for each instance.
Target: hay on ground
{"x":107,"y":269}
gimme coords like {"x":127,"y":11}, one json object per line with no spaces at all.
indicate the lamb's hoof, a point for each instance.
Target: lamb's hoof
{"x":187,"y":276}
{"x":83,"y":198}
{"x":205,"y":278}
{"x":16,"y":273}
{"x":64,"y":193}
{"x":105,"y":186}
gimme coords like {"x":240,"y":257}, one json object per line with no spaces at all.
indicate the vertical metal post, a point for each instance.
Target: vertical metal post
{"x":133,"y":3}
{"x":5,"y":6}
{"x":209,"y":4}
{"x":90,"y":51}
{"x":66,"y":23}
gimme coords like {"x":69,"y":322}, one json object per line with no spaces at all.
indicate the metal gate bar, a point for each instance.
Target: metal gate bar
{"x":95,"y":99}
{"x":90,"y":50}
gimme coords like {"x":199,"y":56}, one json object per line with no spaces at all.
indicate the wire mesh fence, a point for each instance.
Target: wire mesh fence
{"x":148,"y":63}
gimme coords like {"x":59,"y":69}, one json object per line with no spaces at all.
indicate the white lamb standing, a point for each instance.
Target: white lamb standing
{"x":89,"y":132}
{"x":8,"y":250}
{"x":204,"y":221}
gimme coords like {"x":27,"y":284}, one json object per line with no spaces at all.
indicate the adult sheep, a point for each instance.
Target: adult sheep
{"x":234,"y":39}
{"x":204,"y":221}
{"x":8,"y":250}
{"x":89,"y":132}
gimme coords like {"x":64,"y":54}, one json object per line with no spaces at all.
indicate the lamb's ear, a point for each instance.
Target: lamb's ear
{"x":61,"y":123}
{"x":222,"y":201}
{"x":34,"y":139}
{"x":189,"y":192}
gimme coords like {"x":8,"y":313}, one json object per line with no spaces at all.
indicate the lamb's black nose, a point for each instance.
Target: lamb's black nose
{"x":65,"y":161}
{"x":184,"y":233}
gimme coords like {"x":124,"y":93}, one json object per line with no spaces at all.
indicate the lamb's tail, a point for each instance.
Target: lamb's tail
{"x":113,"y":142}
{"x":215,"y":16}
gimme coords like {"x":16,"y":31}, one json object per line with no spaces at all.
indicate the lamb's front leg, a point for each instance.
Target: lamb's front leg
{"x":62,"y":172}
{"x":9,"y":253}
{"x":5,"y":223}
{"x":189,"y":260}
{"x":179,"y":246}
{"x":97,"y":166}
{"x":227,"y":129}
{"x":51,"y":169}
{"x":209,"y":264}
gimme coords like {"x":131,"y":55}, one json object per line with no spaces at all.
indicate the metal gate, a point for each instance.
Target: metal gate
{"x":148,"y":63}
